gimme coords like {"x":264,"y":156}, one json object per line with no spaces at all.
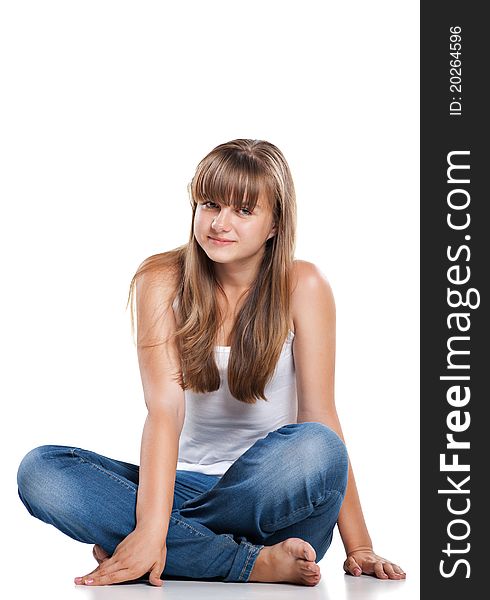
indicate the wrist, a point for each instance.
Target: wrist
{"x":359,"y":548}
{"x":153,"y":527}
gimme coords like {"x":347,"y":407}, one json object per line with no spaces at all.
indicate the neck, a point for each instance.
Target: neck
{"x":235,"y":279}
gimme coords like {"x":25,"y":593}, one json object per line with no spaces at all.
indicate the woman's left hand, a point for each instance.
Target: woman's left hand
{"x":367,"y":562}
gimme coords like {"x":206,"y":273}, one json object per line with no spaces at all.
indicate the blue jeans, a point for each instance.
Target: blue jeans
{"x":290,"y":483}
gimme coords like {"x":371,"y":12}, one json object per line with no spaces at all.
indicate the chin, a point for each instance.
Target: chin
{"x":221,"y":261}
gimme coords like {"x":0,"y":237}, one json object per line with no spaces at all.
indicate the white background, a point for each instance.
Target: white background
{"x":106,"y":109}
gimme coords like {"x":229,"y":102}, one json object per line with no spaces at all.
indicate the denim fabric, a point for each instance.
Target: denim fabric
{"x":290,"y":483}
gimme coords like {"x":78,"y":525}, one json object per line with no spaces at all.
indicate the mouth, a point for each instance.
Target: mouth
{"x":220,"y":241}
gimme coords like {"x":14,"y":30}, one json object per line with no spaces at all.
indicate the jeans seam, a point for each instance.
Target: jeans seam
{"x":184,"y":524}
{"x":288,"y":516}
{"x":199,"y":533}
{"x":249,"y":556}
{"x":104,"y":471}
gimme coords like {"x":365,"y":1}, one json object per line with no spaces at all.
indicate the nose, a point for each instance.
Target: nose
{"x":222,"y":220}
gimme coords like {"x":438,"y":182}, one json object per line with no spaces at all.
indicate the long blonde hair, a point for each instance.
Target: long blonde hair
{"x":231,"y":171}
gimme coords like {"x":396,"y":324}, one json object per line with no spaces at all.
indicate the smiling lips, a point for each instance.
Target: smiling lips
{"x":220,"y":242}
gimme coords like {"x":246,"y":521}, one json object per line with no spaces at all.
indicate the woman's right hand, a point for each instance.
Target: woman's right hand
{"x":142,"y":551}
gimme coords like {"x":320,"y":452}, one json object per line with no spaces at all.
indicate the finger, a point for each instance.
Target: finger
{"x":100,"y":571}
{"x":399,"y":570}
{"x":379,"y":571}
{"x":354,"y":567}
{"x":79,"y":580}
{"x":106,"y":569}
{"x":102,"y":566}
{"x":110,"y":578}
{"x":155,"y":577}
{"x":390,"y":571}
{"x":351,"y":566}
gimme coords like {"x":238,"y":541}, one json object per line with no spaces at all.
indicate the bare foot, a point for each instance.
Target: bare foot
{"x":290,"y":561}
{"x":100,"y":554}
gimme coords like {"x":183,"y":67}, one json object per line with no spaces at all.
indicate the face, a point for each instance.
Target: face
{"x":245,"y":231}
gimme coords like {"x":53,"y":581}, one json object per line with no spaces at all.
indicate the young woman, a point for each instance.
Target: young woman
{"x":244,"y":472}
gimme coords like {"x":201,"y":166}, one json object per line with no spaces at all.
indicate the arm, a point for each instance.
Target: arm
{"x":164,"y":399}
{"x":158,"y":463}
{"x":314,"y":357}
{"x":144,"y":549}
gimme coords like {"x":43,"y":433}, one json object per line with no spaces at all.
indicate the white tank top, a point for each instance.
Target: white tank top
{"x":218,"y":428}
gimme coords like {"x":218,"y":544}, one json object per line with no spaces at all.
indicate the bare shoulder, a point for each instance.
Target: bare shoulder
{"x":311,"y":292}
{"x":159,"y":279}
{"x":306,"y":270}
{"x":156,"y":287}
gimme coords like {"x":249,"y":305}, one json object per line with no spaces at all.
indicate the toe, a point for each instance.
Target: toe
{"x":309,"y":551}
{"x":312,"y":580}
{"x":99,"y":553}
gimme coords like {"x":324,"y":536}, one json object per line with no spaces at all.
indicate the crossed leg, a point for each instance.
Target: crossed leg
{"x":289,"y":484}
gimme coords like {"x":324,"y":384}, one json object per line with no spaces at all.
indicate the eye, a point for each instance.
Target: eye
{"x":246,"y":209}
{"x":212,"y":205}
